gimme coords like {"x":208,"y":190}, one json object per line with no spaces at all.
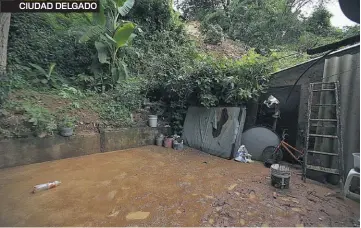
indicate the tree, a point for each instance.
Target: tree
{"x":4,"y":33}
{"x":195,"y":9}
{"x":264,"y":23}
{"x":319,"y":22}
{"x":297,"y":5}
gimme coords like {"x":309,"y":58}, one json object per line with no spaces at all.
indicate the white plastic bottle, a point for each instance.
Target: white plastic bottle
{"x":41,"y":187}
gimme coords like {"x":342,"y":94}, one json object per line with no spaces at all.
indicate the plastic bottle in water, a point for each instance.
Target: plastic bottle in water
{"x":41,"y":187}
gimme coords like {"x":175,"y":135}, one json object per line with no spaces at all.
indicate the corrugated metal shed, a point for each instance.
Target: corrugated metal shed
{"x":346,"y":69}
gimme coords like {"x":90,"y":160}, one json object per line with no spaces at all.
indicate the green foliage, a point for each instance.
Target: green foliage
{"x":198,"y":9}
{"x":129,"y":93}
{"x":214,"y":34}
{"x":41,"y":76}
{"x":67,"y":121}
{"x":270,"y":24}
{"x":351,"y":31}
{"x":319,"y":23}
{"x":152,"y":15}
{"x":42,"y":38}
{"x":208,"y":82}
{"x":225,"y":82}
{"x":218,"y":17}
{"x":113,"y":113}
{"x":40,"y":119}
{"x":109,"y":35}
{"x":5,"y":88}
{"x":69,"y":92}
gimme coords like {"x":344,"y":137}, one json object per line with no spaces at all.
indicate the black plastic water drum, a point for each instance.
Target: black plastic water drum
{"x":280,"y":176}
{"x":256,"y":139}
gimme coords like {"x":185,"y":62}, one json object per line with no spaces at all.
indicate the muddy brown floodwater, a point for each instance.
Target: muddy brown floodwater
{"x":155,"y":186}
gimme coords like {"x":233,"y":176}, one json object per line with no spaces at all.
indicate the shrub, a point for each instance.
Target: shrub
{"x":41,"y":120}
{"x":214,"y":35}
{"x":46,"y":39}
{"x":67,"y":121}
{"x":218,"y":17}
{"x":129,"y":93}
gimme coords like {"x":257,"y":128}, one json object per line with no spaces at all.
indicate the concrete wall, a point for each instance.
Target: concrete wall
{"x":14,"y":152}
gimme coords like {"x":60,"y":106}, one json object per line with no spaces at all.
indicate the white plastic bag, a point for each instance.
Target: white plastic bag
{"x":242,"y":155}
{"x":270,"y":101}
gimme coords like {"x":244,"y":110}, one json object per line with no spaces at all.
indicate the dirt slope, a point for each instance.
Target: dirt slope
{"x":228,"y":48}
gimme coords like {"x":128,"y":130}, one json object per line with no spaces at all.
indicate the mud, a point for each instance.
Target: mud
{"x":155,"y":186}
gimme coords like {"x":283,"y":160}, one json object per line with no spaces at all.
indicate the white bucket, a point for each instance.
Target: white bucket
{"x":356,"y":160}
{"x":153,"y":120}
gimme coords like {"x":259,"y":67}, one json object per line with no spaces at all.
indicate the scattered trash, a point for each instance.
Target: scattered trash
{"x":168,"y":142}
{"x":211,"y":221}
{"x":178,"y":145}
{"x":252,"y":195}
{"x":113,"y":213}
{"x":242,"y":222}
{"x":209,"y":197}
{"x":232,"y":187}
{"x":274,"y":195}
{"x":242,"y":155}
{"x":159,"y":140}
{"x":139,"y":215}
{"x":41,"y":187}
{"x":331,"y":194}
{"x":270,"y":101}
{"x":296,"y":209}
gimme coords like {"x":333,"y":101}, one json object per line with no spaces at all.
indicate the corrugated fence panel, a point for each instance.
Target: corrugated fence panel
{"x":346,"y":69}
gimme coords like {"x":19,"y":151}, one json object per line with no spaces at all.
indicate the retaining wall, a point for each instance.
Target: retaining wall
{"x":22,"y":151}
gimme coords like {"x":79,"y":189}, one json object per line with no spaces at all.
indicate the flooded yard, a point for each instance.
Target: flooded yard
{"x":156,"y":186}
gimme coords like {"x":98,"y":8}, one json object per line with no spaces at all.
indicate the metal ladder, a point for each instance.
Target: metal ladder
{"x":339,"y":155}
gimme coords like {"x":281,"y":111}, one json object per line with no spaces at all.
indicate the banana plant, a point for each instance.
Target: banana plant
{"x":110,"y":35}
{"x":42,"y":76}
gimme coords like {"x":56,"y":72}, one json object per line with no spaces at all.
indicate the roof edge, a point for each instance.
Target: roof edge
{"x":314,"y":59}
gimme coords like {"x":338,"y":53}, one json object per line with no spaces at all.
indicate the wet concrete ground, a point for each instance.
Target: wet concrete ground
{"x":155,"y":186}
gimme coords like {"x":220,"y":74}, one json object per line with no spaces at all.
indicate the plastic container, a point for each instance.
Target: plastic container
{"x":356,"y":160}
{"x":153,"y":120}
{"x":168,"y":142}
{"x":178,"y":145}
{"x":41,"y":187}
{"x":159,"y":140}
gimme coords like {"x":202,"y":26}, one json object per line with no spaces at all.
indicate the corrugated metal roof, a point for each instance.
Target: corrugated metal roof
{"x":314,"y":59}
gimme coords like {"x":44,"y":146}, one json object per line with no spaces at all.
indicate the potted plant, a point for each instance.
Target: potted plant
{"x":66,"y":126}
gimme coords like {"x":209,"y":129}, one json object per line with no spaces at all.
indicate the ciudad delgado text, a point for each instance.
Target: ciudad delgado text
{"x":58,"y":5}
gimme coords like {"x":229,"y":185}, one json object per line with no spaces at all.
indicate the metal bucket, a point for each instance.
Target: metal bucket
{"x":159,"y":140}
{"x":280,"y":176}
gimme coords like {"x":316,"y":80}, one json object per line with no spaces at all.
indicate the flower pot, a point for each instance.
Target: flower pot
{"x":66,"y":131}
